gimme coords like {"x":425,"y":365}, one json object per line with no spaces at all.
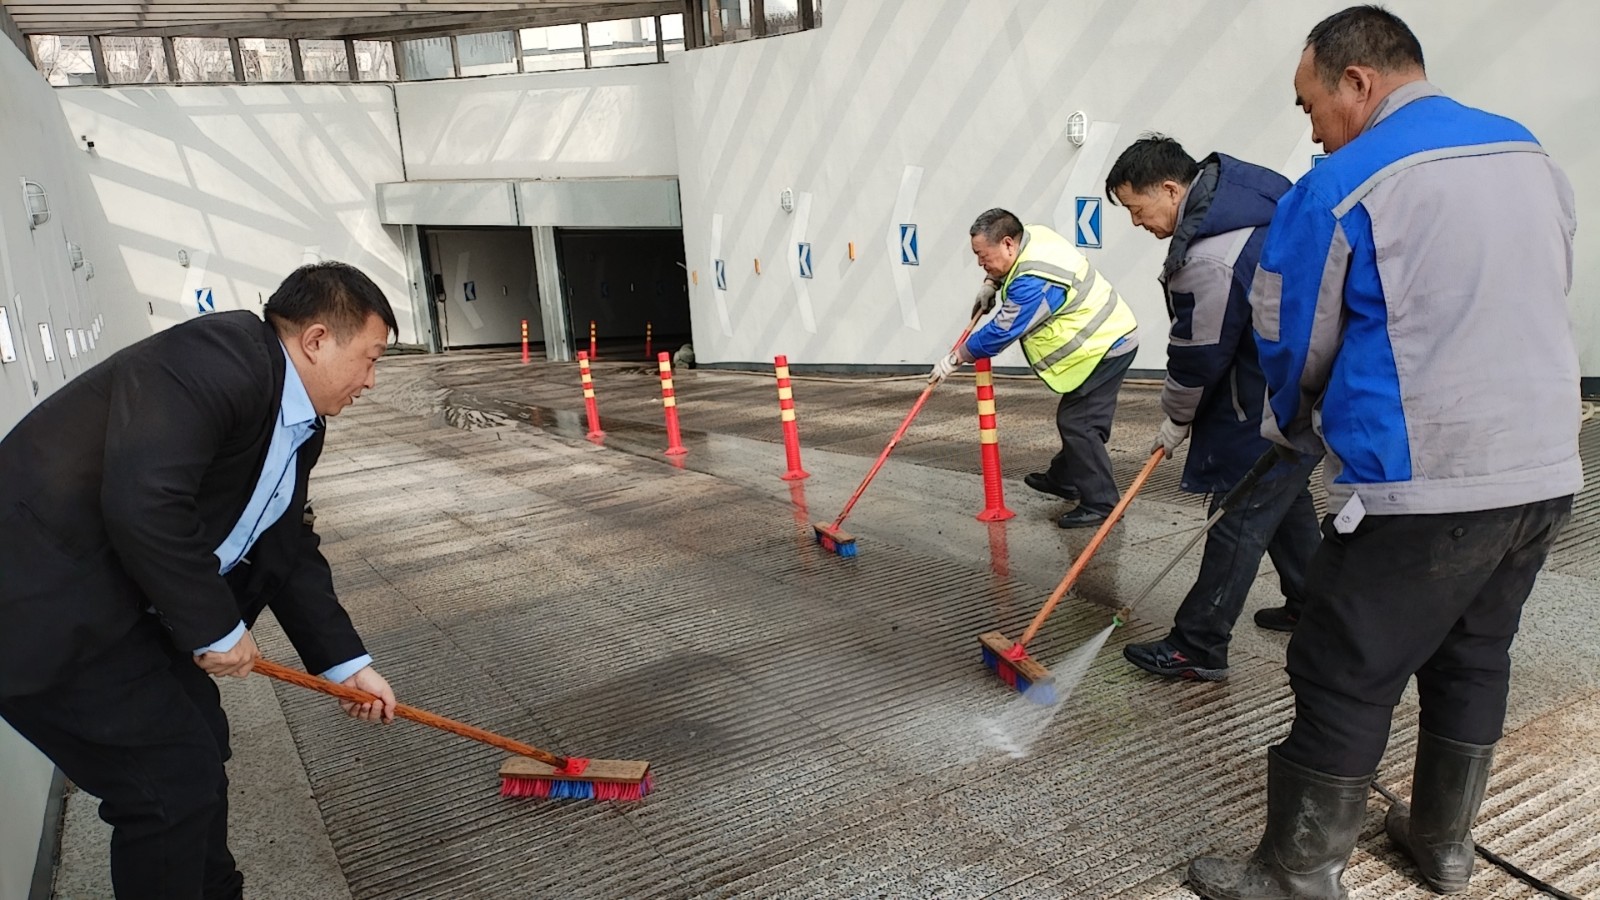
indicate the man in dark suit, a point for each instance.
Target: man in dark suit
{"x":151,"y":509}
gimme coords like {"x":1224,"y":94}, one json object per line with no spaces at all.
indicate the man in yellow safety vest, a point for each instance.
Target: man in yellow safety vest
{"x":1078,"y":336}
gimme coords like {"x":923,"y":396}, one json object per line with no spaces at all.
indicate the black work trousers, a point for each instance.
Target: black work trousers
{"x":1278,"y":517}
{"x":1435,"y":596}
{"x":142,"y":728}
{"x":1084,"y":419}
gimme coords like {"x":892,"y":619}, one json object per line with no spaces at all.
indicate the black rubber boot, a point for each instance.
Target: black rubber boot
{"x":1446,"y":790}
{"x":1313,"y":820}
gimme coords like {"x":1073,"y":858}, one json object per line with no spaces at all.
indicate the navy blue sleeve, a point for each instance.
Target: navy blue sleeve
{"x":1209,"y":318}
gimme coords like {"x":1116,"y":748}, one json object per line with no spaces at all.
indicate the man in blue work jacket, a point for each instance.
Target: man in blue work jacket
{"x":1397,"y":277}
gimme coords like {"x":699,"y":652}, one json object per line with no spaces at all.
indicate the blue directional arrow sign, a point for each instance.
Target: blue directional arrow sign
{"x":722,"y":275}
{"x":908,"y":245}
{"x":204,"y":302}
{"x":1086,"y":226}
{"x":805,"y":260}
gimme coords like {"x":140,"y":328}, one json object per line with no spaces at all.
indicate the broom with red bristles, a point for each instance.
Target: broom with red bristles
{"x":831,"y":536}
{"x":1011,"y":660}
{"x":530,"y":773}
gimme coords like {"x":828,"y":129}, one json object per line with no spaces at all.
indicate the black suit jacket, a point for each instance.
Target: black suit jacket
{"x":118,"y":488}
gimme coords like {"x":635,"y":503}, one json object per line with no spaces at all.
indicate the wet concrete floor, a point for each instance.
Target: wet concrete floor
{"x":819,"y":727}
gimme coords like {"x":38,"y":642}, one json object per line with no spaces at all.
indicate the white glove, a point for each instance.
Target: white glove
{"x":985,"y":299}
{"x":944,"y":367}
{"x":1170,"y":437}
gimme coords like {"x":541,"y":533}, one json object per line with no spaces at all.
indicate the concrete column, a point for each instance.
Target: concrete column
{"x":171,"y":54}
{"x":422,"y":309}
{"x":98,"y":54}
{"x":552,"y":299}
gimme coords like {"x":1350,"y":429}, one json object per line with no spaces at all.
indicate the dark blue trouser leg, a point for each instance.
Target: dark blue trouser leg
{"x":1293,"y":545}
{"x":1083,"y":417}
{"x":1267,"y":518}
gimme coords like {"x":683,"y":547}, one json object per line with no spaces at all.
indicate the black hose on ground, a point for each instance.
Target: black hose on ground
{"x":1510,"y":868}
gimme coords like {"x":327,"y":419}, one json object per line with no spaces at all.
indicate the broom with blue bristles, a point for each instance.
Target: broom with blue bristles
{"x":530,"y":773}
{"x":830,"y":535}
{"x":1011,"y":660}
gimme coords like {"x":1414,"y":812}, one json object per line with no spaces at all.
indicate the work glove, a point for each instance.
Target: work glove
{"x":944,"y":367}
{"x":1170,"y":437}
{"x":985,"y":300}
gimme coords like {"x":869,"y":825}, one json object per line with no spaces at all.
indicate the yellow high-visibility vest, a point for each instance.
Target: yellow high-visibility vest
{"x":1065,"y":347}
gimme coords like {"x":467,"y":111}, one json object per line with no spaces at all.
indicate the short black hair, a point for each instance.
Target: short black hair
{"x":1362,"y":36}
{"x":336,"y":294}
{"x":1152,"y":159}
{"x":996,"y":225}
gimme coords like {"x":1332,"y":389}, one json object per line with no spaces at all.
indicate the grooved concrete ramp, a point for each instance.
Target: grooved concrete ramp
{"x":819,"y":727}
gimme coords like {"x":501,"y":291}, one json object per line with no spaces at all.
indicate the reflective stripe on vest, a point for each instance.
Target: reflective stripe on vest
{"x":1062,"y":352}
{"x":1079,"y":339}
{"x":1080,"y":293}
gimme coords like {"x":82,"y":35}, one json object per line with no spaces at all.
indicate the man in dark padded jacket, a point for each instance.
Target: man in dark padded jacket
{"x":1216,"y":213}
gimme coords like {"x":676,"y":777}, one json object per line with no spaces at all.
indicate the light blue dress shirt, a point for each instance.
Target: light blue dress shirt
{"x":297,"y":421}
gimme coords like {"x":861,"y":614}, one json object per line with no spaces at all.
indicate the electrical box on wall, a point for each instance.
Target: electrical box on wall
{"x":8,"y":347}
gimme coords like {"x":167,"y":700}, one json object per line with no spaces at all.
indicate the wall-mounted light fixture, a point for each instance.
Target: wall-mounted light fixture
{"x":1078,"y":128}
{"x":37,"y":202}
{"x":88,"y":271}
{"x":183,"y":258}
{"x":786,"y":200}
{"x":75,"y":255}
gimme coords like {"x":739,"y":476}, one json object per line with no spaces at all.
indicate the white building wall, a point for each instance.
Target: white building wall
{"x":580,"y":124}
{"x":38,"y":286}
{"x":249,"y":181}
{"x":930,"y":111}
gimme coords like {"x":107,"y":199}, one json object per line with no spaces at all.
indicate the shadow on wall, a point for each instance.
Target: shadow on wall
{"x":249,"y":181}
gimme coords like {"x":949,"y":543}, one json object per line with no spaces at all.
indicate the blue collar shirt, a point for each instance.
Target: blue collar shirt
{"x":297,"y":421}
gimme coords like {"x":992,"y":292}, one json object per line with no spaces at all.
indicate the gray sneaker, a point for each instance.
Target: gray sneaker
{"x":1161,"y":658}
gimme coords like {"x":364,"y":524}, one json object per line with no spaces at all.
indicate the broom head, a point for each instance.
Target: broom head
{"x":587,"y":779}
{"x":1015,"y":667}
{"x":835,"y":540}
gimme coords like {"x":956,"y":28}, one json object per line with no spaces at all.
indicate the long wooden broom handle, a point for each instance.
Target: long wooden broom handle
{"x":1082,"y":562}
{"x":916,"y":408}
{"x":323,"y":686}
